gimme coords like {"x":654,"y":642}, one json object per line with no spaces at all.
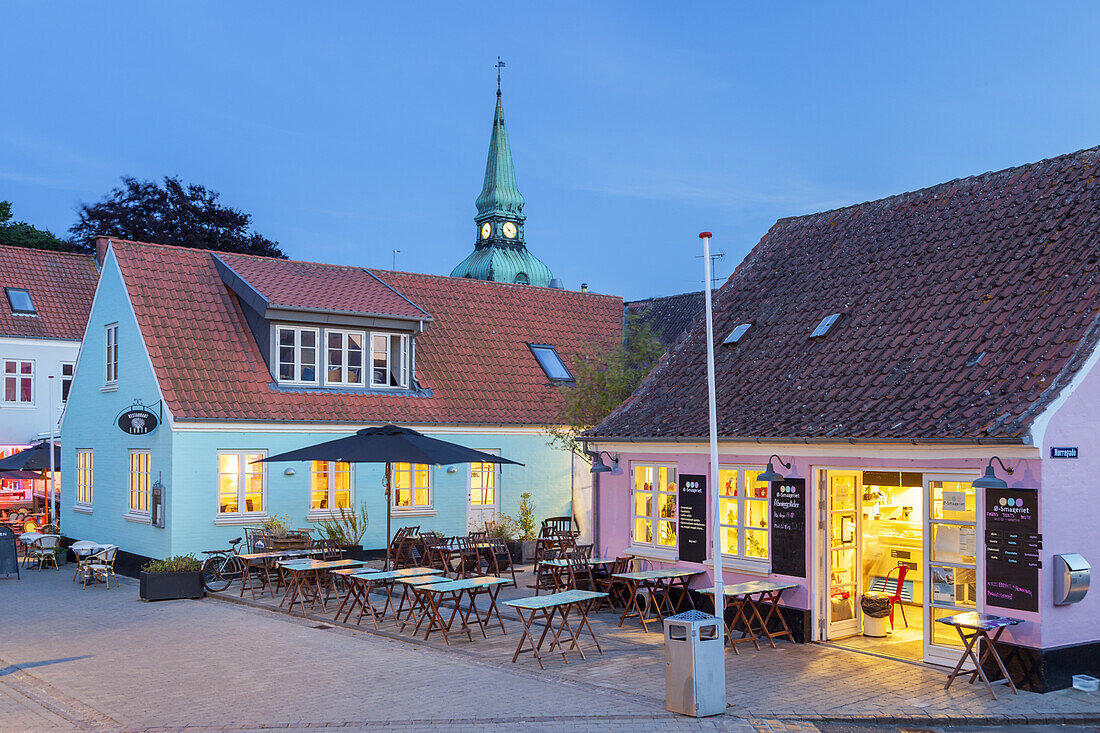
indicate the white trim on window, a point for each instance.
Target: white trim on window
{"x":66,"y":379}
{"x":389,"y":351}
{"x":140,"y":484}
{"x":85,"y":480}
{"x":235,"y":474}
{"x":736,"y":511}
{"x":418,"y":488}
{"x":654,"y":490}
{"x":344,"y":357}
{"x":294,"y":359}
{"x":110,"y":369}
{"x":20,"y":375}
{"x":332,"y":472}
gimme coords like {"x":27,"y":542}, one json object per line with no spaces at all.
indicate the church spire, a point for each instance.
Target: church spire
{"x":499,"y":194}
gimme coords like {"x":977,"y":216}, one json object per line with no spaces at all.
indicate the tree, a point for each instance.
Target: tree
{"x":22,"y":234}
{"x":183,"y":215}
{"x":602,"y":380}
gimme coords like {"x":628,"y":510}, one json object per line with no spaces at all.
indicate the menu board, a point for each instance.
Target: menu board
{"x":9,"y":561}
{"x":693,"y":517}
{"x":789,"y":527}
{"x":1013,"y":548}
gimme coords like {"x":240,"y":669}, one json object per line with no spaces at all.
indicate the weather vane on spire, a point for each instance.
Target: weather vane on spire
{"x":499,"y":65}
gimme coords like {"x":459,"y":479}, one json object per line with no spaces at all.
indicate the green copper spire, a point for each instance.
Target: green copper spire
{"x":499,"y":194}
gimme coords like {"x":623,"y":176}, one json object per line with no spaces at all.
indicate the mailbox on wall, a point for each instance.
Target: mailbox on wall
{"x":156,"y":501}
{"x":1071,"y":578}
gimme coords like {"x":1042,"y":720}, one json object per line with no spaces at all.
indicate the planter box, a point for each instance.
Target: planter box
{"x":354,"y":552}
{"x":522,"y":551}
{"x":169,"y":586}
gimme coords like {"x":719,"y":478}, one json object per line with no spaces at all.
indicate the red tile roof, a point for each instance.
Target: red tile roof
{"x":473,"y":358}
{"x":308,"y":285}
{"x":61,"y":285}
{"x":966,"y":308}
{"x":669,"y":316}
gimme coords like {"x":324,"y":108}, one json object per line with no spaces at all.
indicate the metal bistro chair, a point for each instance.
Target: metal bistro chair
{"x":45,"y":550}
{"x":101,"y":566}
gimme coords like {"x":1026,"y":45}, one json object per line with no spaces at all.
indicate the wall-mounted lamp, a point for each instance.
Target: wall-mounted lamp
{"x":598,"y":466}
{"x":289,"y":471}
{"x":989,"y":480}
{"x":771,"y":474}
{"x":452,"y":469}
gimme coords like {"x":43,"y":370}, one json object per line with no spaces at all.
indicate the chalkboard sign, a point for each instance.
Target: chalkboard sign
{"x":1013,"y":548}
{"x":789,"y":527}
{"x":693,"y":518}
{"x":9,"y":561}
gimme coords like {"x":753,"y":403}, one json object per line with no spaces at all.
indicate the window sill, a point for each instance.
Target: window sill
{"x":139,"y":518}
{"x":109,"y":387}
{"x":643,"y":552}
{"x":412,"y":512}
{"x":229,"y":520}
{"x":82,"y":508}
{"x":24,"y":405}
{"x":322,"y":515}
{"x":737,"y":565}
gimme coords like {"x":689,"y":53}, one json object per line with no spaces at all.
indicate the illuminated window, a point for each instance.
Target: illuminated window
{"x":745,"y":510}
{"x":139,"y":482}
{"x":84,"y":477}
{"x":20,"y":301}
{"x":331,"y":486}
{"x":240,"y":482}
{"x":18,"y":382}
{"x":483,"y":484}
{"x":551,"y":363}
{"x":111,"y":373}
{"x":653,"y":498}
{"x":389,"y":360}
{"x":344,"y":358}
{"x":297,"y":354}
{"x":411,"y":486}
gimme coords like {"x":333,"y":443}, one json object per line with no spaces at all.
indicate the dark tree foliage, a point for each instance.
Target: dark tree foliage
{"x":184,"y":215}
{"x":22,"y":234}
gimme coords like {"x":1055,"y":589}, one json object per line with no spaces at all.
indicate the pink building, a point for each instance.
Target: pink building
{"x":888,"y":351}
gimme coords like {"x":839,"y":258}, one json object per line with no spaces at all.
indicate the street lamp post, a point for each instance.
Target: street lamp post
{"x":716,"y":533}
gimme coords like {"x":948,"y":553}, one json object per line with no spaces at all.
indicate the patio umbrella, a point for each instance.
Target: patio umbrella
{"x":388,"y":444}
{"x":20,"y":475}
{"x":35,"y":458}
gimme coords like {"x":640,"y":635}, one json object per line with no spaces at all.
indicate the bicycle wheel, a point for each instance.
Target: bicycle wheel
{"x":216,"y":573}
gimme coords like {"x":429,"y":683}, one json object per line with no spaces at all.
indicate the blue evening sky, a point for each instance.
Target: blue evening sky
{"x":352,"y":129}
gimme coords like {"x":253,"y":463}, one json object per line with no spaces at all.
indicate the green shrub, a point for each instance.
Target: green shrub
{"x":526,"y":523}
{"x":503,"y":527}
{"x":348,"y":529}
{"x":174,"y":564}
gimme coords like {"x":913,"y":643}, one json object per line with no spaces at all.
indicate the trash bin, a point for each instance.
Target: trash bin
{"x":876,"y":612}
{"x":695,"y":664}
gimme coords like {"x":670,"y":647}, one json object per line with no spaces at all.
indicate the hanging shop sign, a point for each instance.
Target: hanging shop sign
{"x":789,"y":527}
{"x":1013,"y":548}
{"x":138,"y":419}
{"x":692,"y":533}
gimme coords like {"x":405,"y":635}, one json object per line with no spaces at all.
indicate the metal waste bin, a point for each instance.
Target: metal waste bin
{"x":695,"y":664}
{"x":876,"y":613}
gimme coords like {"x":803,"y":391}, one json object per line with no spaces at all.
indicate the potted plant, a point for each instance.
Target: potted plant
{"x":179,"y":576}
{"x":525,"y":527}
{"x":277,"y":529}
{"x":62,"y":554}
{"x":347,"y":531}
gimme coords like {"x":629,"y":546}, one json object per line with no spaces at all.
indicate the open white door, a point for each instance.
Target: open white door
{"x":843,"y":564}
{"x":952,"y":573}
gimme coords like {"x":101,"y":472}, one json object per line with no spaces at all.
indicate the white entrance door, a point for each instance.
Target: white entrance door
{"x":951,"y":576}
{"x":483,"y":493}
{"x":843,"y":564}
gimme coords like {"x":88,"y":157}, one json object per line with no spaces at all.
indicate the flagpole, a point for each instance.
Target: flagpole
{"x":50,"y":513}
{"x":716,"y":531}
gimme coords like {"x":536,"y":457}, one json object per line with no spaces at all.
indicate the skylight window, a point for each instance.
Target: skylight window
{"x":20,"y":301}
{"x":826,"y":323}
{"x":550,"y":362}
{"x":737,"y":333}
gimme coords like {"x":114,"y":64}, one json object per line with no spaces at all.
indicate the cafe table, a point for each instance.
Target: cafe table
{"x":433,"y":596}
{"x":263,"y":562}
{"x":84,"y":549}
{"x":409,"y":584}
{"x":651,"y":583}
{"x":747,"y":611}
{"x":559,"y":566}
{"x":362,"y":581}
{"x":973,"y":628}
{"x":541,"y":612}
{"x":305,"y":580}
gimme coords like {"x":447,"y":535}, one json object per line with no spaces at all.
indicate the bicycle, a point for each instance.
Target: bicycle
{"x":221,"y":567}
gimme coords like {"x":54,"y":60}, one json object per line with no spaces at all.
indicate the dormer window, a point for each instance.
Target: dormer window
{"x":20,"y":301}
{"x":297,"y":354}
{"x":342,"y":358}
{"x":389,"y":360}
{"x":345,"y":352}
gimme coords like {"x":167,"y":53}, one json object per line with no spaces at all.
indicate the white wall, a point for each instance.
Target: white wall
{"x":20,"y":425}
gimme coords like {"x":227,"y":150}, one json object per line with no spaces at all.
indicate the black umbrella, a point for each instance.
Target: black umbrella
{"x":35,"y":458}
{"x":20,"y":475}
{"x":389,"y":444}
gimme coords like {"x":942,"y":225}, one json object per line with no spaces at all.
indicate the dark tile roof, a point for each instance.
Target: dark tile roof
{"x":473,"y":358}
{"x":669,"y":316}
{"x":61,"y":285}
{"x":966,"y":308}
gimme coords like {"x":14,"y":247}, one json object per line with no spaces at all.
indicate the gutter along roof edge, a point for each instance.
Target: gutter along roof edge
{"x":1025,"y":440}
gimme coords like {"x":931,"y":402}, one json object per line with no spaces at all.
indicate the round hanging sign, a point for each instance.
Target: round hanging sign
{"x":137,"y":421}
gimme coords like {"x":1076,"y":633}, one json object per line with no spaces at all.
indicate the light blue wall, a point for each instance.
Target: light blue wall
{"x":90,"y":423}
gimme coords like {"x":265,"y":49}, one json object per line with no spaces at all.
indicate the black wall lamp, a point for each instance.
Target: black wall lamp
{"x":598,"y":466}
{"x":989,"y":480}
{"x":771,"y":474}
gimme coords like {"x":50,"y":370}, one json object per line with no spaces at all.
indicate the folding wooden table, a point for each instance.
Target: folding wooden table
{"x":559,"y":567}
{"x":409,"y":584}
{"x":433,"y":596}
{"x":543,"y":610}
{"x":364,"y":581}
{"x":977,"y":627}
{"x":747,"y":611}
{"x":304,"y":581}
{"x":653,"y":582}
{"x":263,"y":562}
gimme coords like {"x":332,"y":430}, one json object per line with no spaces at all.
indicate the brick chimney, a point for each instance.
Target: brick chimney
{"x":101,"y":244}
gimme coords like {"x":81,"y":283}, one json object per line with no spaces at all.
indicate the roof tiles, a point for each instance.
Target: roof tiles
{"x":61,"y":285}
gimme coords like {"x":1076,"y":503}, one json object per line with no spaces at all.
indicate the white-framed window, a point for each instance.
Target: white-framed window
{"x":389,"y":360}
{"x":296,"y":349}
{"x":345,"y":354}
{"x":66,"y":380}
{"x":654,"y":492}
{"x":412,"y":486}
{"x":330,"y":487}
{"x":18,"y":382}
{"x":744,"y":507}
{"x":241,"y":482}
{"x":483,"y":483}
{"x":20,"y":301}
{"x":84,"y":477}
{"x":111,"y":340}
{"x":139,"y":482}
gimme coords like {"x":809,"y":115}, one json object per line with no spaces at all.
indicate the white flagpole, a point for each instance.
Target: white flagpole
{"x":50,"y":513}
{"x":716,"y":530}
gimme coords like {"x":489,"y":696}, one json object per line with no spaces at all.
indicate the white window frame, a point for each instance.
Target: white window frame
{"x":739,"y":559}
{"x":240,"y":516}
{"x":20,"y":311}
{"x":654,"y":548}
{"x":137,"y":513}
{"x":345,"y":351}
{"x":548,"y":359}
{"x":17,"y":376}
{"x":403,"y":373}
{"x":85,"y":480}
{"x":110,"y":373}
{"x":332,"y":512}
{"x":66,"y":379}
{"x":413,"y":509}
{"x":298,"y":363}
